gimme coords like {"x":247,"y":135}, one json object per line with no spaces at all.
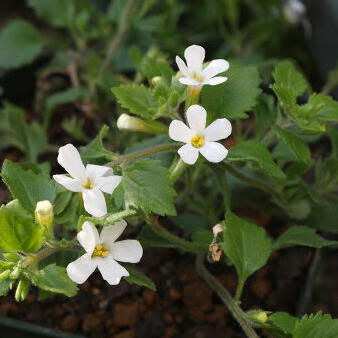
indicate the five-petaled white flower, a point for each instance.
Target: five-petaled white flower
{"x":193,"y":72}
{"x":103,"y":252}
{"x":199,"y":139}
{"x":91,"y":180}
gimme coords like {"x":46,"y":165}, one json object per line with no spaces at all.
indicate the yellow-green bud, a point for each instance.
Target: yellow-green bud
{"x":156,"y":80}
{"x":22,"y":289}
{"x":15,"y":273}
{"x":44,"y":213}
{"x":259,"y":316}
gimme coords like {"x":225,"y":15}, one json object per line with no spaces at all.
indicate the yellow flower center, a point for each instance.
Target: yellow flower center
{"x":88,"y":184}
{"x":198,"y":78}
{"x":197,"y":141}
{"x":100,"y":251}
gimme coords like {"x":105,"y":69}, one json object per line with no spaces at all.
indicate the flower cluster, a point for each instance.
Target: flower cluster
{"x":92,"y":181}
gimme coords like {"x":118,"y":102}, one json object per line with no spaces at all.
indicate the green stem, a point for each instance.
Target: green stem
{"x":35,"y":258}
{"x":239,"y":291}
{"x":165,"y":234}
{"x":252,"y":181}
{"x":122,"y":29}
{"x":225,"y":296}
{"x":223,"y":183}
{"x":176,"y":170}
{"x":124,"y":159}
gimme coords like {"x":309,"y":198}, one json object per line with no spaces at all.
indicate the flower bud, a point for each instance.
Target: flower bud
{"x":294,"y":11}
{"x":44,"y":213}
{"x":127,"y":122}
{"x":15,"y":273}
{"x":22,"y":289}
{"x":217,"y":229}
{"x":259,"y":316}
{"x":156,"y":80}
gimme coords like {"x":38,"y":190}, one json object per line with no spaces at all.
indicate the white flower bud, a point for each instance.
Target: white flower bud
{"x":217,"y":229}
{"x":128,"y":122}
{"x":294,"y":11}
{"x":259,"y":316}
{"x":44,"y":213}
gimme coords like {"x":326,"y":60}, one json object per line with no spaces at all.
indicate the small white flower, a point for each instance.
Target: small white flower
{"x":294,"y":11}
{"x":103,"y":252}
{"x":193,"y":72}
{"x":199,"y":139}
{"x":91,"y":180}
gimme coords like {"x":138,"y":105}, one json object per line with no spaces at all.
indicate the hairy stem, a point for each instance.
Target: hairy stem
{"x":165,"y":234}
{"x":225,"y":296}
{"x":252,"y":181}
{"x":124,"y":159}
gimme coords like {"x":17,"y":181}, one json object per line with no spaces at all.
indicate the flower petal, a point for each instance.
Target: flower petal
{"x":178,"y":131}
{"x":188,"y":153}
{"x":218,"y":130}
{"x":189,"y":82}
{"x":214,"y":152}
{"x":215,"y":67}
{"x":108,"y":184}
{"x":88,"y":237}
{"x":111,"y":271}
{"x":129,"y":251}
{"x":69,"y":158}
{"x":94,"y":171}
{"x":111,"y":233}
{"x":182,"y":67}
{"x":94,"y":202}
{"x":194,"y":56}
{"x":79,"y":270}
{"x":197,"y":117}
{"x":215,"y":80}
{"x":72,"y":184}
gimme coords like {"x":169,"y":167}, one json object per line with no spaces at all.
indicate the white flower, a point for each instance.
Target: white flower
{"x":199,"y":139}
{"x":103,"y":252}
{"x":193,"y":72}
{"x":91,"y":180}
{"x":294,"y":11}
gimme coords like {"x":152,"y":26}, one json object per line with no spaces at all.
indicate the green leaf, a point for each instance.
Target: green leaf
{"x":297,"y":146}
{"x":20,"y":43}
{"x":67,"y":96}
{"x":190,"y":222}
{"x":95,"y":150}
{"x":136,"y":98}
{"x":265,"y":114}
{"x":233,"y":98}
{"x":30,"y":138}
{"x":69,"y":216}
{"x":5,"y":286}
{"x":138,"y":278}
{"x":18,"y":231}
{"x":319,"y":325}
{"x":54,"y":278}
{"x":152,"y":66}
{"x":289,"y":83}
{"x":301,"y":235}
{"x":147,"y":186}
{"x":283,"y":321}
{"x":246,"y":244}
{"x":58,"y":13}
{"x":256,"y":152}
{"x":27,"y":187}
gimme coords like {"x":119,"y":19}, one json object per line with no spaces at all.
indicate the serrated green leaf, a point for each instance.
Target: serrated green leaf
{"x":283,"y":321}
{"x":136,"y":98}
{"x":20,"y":43}
{"x":138,"y":278}
{"x":301,"y":235}
{"x":5,"y":286}
{"x":54,"y":278}
{"x":289,"y":83}
{"x":233,"y":98}
{"x":147,"y":186}
{"x":256,"y":152}
{"x":152,"y":66}
{"x":95,"y":150}
{"x":246,"y":244}
{"x":27,"y":187}
{"x":18,"y":231}
{"x":297,"y":146}
{"x":319,"y":325}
